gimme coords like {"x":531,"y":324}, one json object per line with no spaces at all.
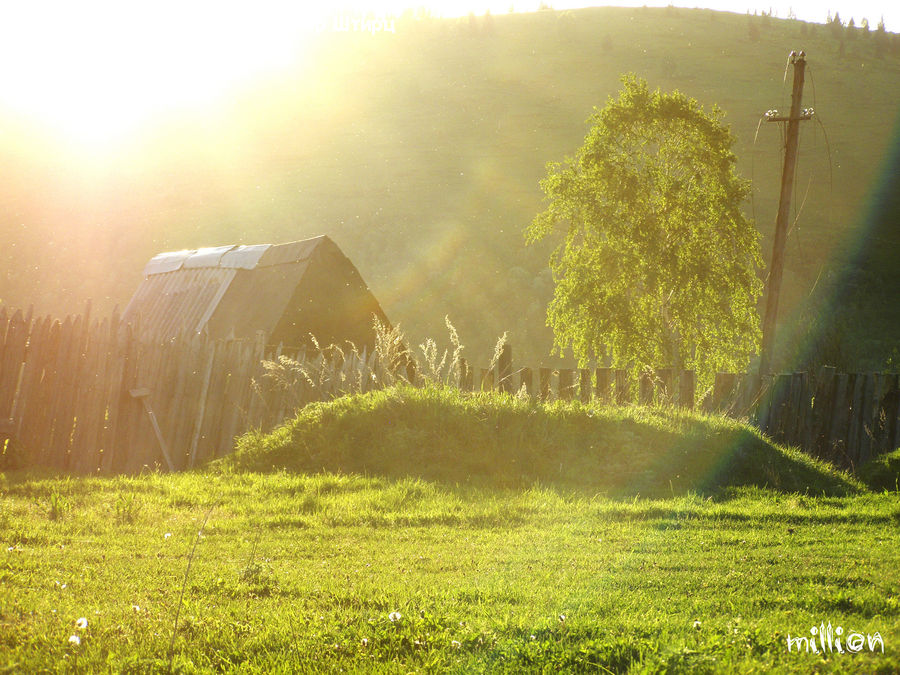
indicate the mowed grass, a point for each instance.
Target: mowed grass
{"x":301,"y":572}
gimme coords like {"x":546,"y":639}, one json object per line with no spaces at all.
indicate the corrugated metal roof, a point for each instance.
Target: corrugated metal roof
{"x":239,"y":257}
{"x":237,"y":290}
{"x":206,"y":257}
{"x":166,"y":262}
{"x":244,"y":257}
{"x":281,"y":254}
{"x":181,"y":300}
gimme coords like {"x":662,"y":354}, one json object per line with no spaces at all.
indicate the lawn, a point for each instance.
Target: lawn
{"x":327,"y":571}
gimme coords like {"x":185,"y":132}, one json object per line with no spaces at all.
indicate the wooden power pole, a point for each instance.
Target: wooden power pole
{"x":797,"y":114}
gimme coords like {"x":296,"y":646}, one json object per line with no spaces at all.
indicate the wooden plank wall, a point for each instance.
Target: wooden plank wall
{"x":67,"y":395}
{"x":67,"y":403}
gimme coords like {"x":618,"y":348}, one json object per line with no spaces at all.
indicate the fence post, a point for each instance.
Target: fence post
{"x":544,"y":376}
{"x":646,"y":388}
{"x":527,"y":381}
{"x":504,"y":368}
{"x":565,"y":384}
{"x":891,"y":404}
{"x":621,"y":387}
{"x":666,"y":379}
{"x":817,"y":435}
{"x":856,"y":405}
{"x":780,"y":404}
{"x":885,"y":405}
{"x":604,"y":383}
{"x":866,"y":415}
{"x":463,"y":373}
{"x":686,"y":389}
{"x":584,"y":377}
{"x":723,"y":390}
{"x":802,"y":400}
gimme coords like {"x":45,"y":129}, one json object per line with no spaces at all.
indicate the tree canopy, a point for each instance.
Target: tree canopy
{"x":658,"y":264}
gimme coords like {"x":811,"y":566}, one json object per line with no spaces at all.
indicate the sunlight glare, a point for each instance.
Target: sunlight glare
{"x":95,"y":71}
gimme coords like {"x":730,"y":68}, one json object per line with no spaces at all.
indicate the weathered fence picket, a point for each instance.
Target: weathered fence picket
{"x":77,"y":395}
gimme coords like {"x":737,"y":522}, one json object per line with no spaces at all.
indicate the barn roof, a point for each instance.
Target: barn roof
{"x":287,"y":290}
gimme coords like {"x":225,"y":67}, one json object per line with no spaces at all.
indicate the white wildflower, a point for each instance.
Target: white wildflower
{"x":455,"y":644}
{"x":395,"y":617}
{"x":697,"y":624}
{"x":562,"y":618}
{"x":75,"y":640}
{"x":365,"y":642}
{"x":167,"y":535}
{"x":81,"y":623}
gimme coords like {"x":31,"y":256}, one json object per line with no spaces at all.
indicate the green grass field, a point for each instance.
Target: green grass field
{"x":327,"y":571}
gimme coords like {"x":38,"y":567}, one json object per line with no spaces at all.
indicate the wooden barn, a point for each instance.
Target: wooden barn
{"x":288,"y":290}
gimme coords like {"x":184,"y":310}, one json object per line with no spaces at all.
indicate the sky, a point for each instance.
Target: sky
{"x":95,"y":69}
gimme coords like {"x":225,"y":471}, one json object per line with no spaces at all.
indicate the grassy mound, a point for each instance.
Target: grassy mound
{"x":444,"y":435}
{"x":882,"y":473}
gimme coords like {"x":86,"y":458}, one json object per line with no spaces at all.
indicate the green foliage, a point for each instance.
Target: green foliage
{"x":658,"y":265}
{"x":57,"y":506}
{"x":128,"y":507}
{"x":442,"y":434}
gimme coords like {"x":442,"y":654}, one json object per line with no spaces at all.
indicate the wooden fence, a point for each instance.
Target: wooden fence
{"x":86,"y":396}
{"x":845,"y":418}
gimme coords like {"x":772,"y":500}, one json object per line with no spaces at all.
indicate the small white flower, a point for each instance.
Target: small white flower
{"x":455,"y":644}
{"x":81,"y":623}
{"x":697,"y":624}
{"x":532,"y":637}
{"x":167,"y":535}
{"x":365,"y":642}
{"x":64,"y":585}
{"x":75,"y":640}
{"x":395,"y":617}
{"x":136,"y":608}
{"x":562,"y":618}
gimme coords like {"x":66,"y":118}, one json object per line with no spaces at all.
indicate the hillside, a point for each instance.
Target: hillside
{"x":419,"y":152}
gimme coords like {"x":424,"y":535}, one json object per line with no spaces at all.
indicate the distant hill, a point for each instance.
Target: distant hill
{"x":419,"y":152}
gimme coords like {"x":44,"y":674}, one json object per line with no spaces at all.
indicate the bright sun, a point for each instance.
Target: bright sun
{"x":94,"y":71}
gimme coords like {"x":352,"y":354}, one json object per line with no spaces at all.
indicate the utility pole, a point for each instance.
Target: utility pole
{"x":797,"y":114}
